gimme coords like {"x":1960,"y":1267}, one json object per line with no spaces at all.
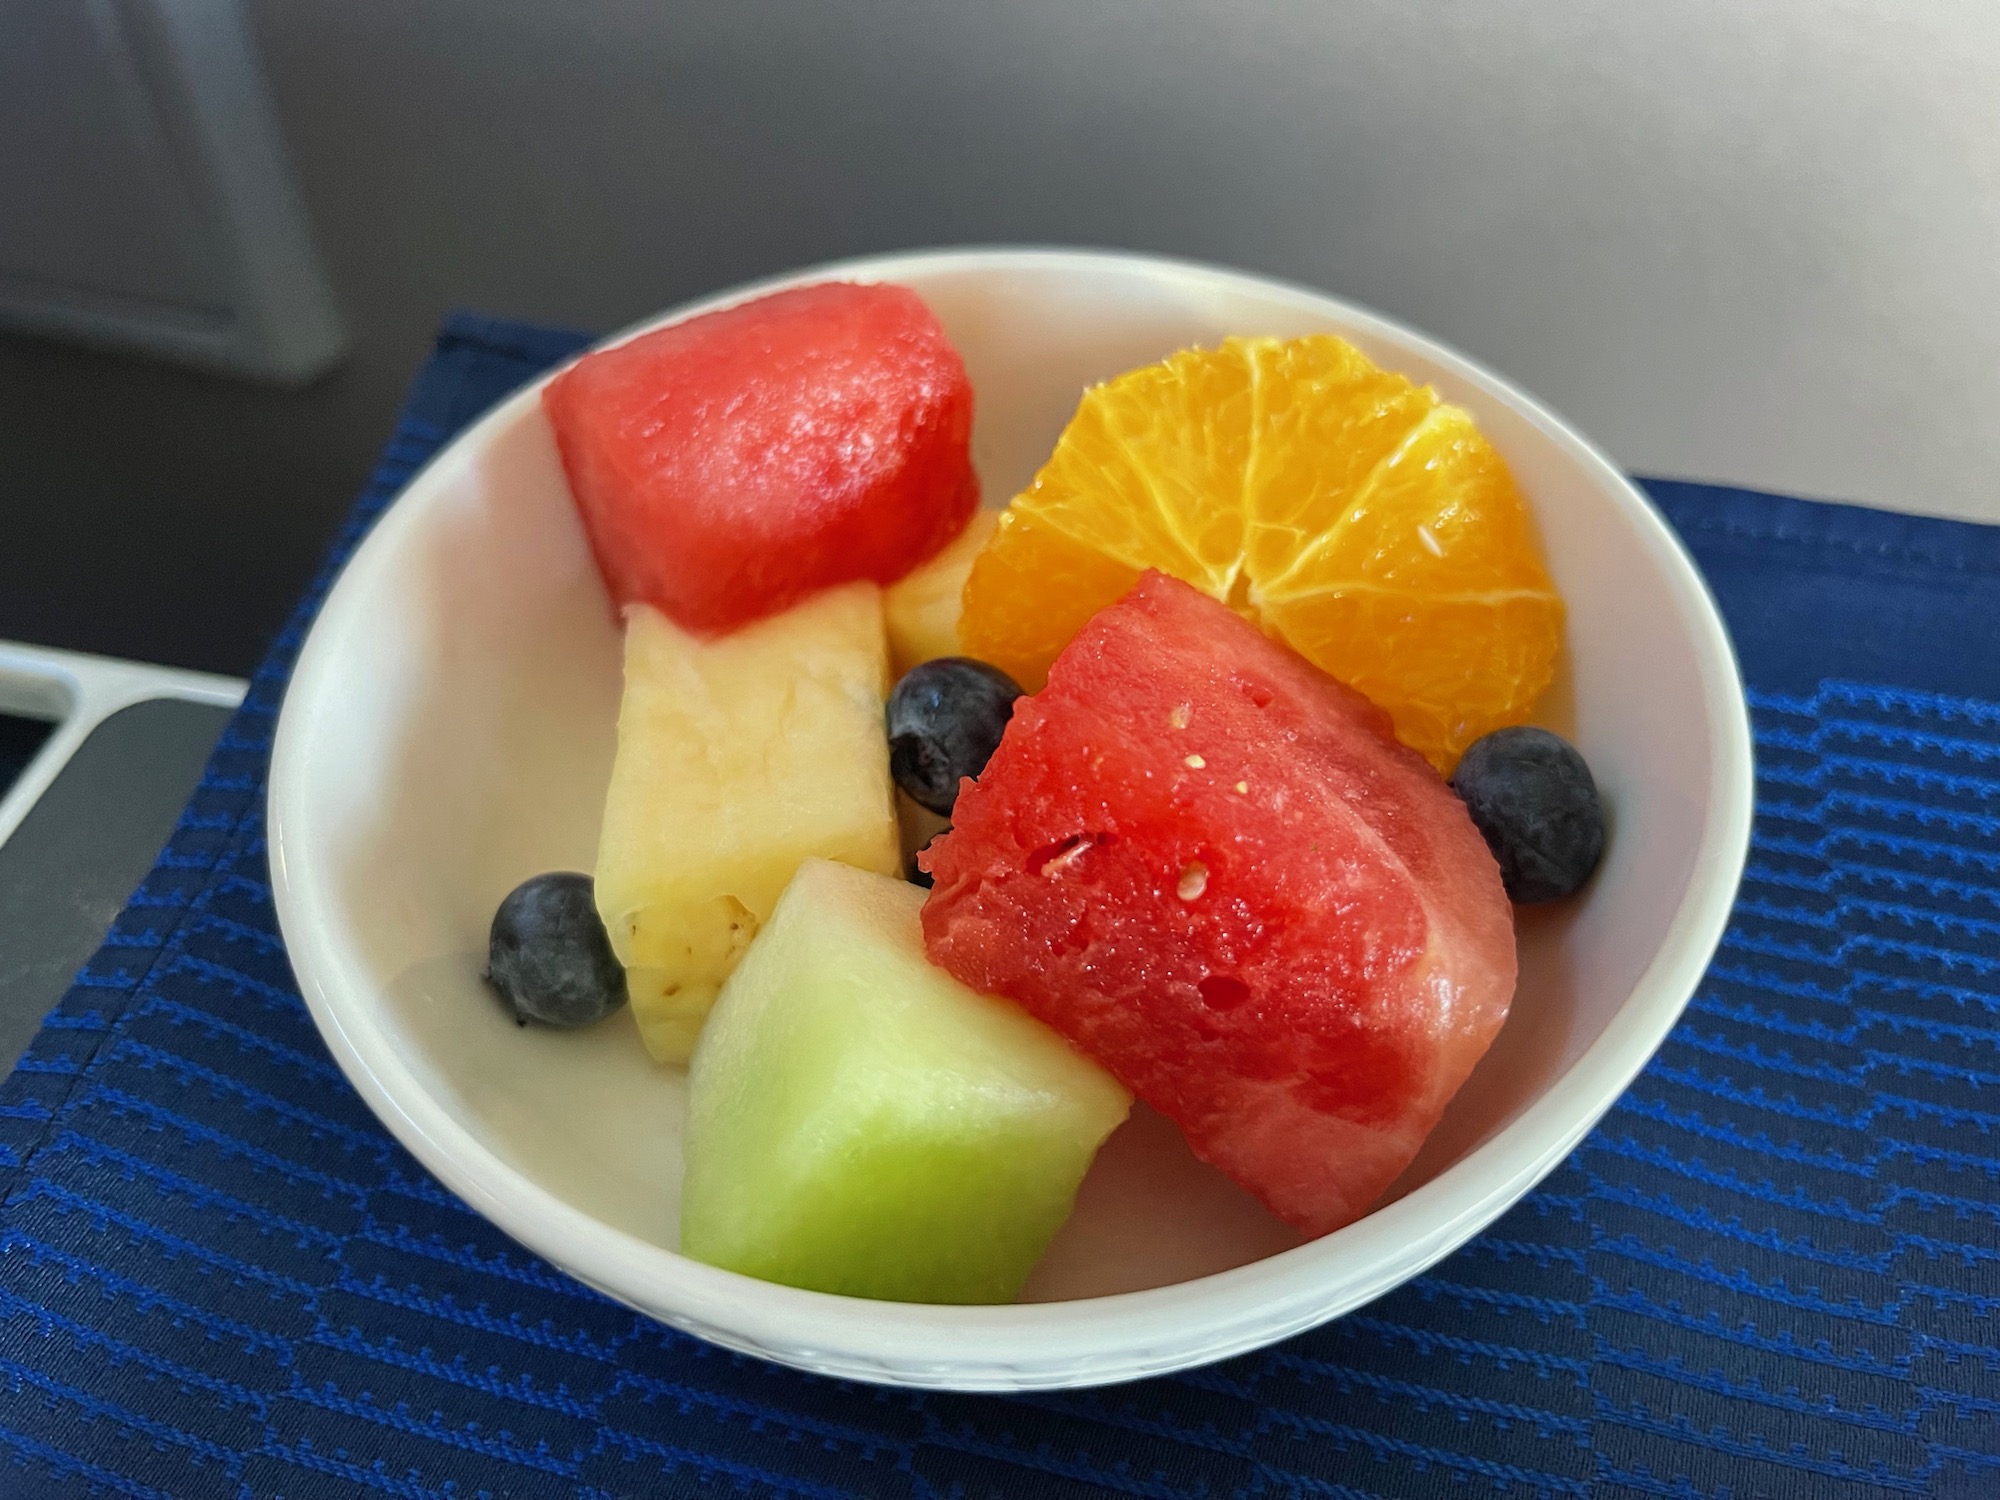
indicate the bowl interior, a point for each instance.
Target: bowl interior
{"x":456,"y":736}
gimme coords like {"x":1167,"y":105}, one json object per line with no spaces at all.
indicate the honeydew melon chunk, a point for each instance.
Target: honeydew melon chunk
{"x":738,"y":756}
{"x":860,"y":1122}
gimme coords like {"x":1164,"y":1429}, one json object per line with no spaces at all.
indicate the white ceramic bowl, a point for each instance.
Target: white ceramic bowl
{"x":449,"y":732}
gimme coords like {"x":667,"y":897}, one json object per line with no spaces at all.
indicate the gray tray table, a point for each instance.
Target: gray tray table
{"x":121,"y":748}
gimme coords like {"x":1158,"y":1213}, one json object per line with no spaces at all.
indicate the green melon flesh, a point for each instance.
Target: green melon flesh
{"x":860,"y":1122}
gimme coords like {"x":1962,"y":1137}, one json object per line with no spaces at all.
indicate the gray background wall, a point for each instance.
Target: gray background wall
{"x":1754,"y":242}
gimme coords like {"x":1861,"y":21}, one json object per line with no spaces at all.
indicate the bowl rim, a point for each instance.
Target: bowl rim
{"x":1018,"y":1346}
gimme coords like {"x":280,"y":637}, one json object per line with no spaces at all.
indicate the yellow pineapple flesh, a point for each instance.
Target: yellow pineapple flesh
{"x":739,"y":756}
{"x":922,"y":606}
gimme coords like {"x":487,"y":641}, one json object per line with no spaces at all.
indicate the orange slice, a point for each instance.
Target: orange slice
{"x":1355,"y":516}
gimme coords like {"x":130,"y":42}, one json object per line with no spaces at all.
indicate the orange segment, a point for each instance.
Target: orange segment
{"x":1440,"y":699}
{"x":1029,"y":591}
{"x":1146,"y":469}
{"x":1324,"y":418}
{"x":1353,"y":515}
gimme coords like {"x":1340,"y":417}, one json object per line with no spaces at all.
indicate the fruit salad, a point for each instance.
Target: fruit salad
{"x":1200,"y":774}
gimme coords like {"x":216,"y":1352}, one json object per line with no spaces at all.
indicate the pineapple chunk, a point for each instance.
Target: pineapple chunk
{"x":739,"y":756}
{"x":922,"y":607}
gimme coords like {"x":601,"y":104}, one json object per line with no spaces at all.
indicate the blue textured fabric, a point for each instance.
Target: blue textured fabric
{"x":1773,"y":1270}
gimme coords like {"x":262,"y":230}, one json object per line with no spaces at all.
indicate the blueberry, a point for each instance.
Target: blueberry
{"x":1532,"y":797}
{"x":945,"y":721}
{"x":549,"y":956}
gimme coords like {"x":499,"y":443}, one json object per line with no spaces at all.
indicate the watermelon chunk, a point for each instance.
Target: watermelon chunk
{"x":1215,"y":871}
{"x":730,"y":465}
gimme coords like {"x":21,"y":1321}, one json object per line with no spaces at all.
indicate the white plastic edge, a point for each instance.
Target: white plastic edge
{"x":78,"y":692}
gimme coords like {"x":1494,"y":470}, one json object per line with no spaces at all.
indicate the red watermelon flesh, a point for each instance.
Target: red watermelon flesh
{"x":1214,"y":870}
{"x":730,"y":465}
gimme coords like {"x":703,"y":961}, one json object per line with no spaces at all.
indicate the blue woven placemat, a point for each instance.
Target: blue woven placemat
{"x":1773,"y":1270}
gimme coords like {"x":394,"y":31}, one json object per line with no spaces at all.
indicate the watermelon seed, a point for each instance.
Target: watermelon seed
{"x":1222,"y":992}
{"x":1178,"y":719}
{"x":1195,"y":762}
{"x":1194,"y":880}
{"x":1056,"y":858}
{"x":1242,"y":788}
